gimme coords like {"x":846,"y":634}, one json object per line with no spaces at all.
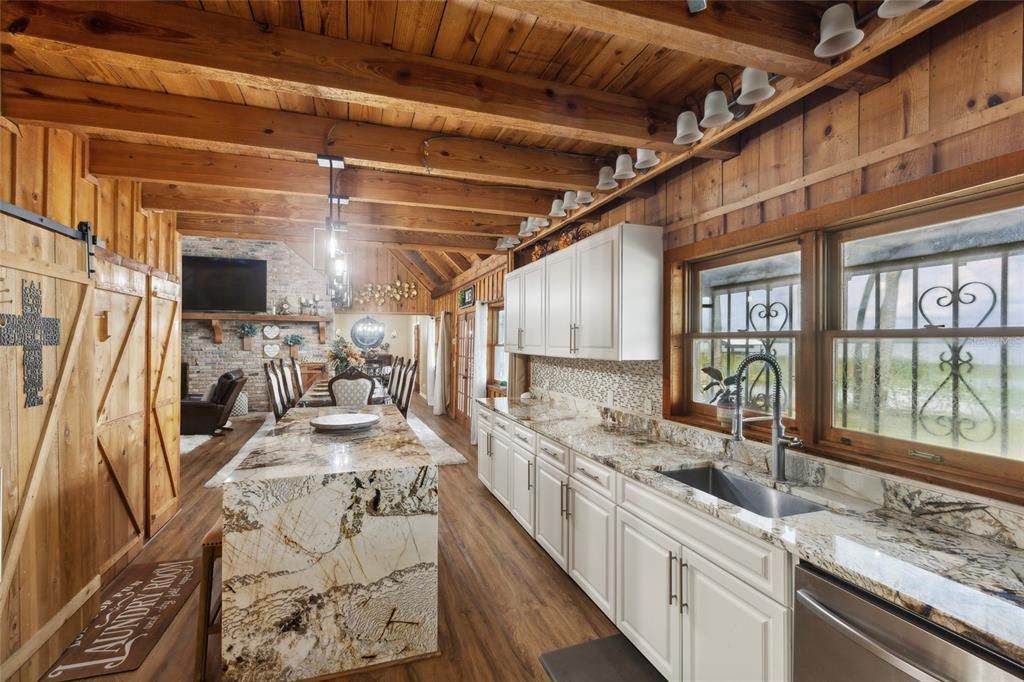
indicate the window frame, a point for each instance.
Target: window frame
{"x":821,"y":313}
{"x":493,"y":310}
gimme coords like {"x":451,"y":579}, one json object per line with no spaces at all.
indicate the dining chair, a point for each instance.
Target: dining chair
{"x":405,"y":391}
{"x":287,"y":383}
{"x":297,"y":373}
{"x":274,"y":394}
{"x":351,"y":389}
{"x":396,"y":379}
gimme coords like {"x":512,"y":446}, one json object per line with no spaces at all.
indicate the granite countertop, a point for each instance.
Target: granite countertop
{"x":291,"y":448}
{"x":969,"y":585}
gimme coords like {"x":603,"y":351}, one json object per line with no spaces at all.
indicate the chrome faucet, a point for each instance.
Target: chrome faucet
{"x":779,"y":438}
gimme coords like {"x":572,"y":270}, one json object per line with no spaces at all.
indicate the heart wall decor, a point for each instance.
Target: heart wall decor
{"x":271,"y":350}
{"x":271,"y":331}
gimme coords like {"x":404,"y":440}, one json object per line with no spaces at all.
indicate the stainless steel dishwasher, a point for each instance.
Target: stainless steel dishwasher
{"x":844,"y":635}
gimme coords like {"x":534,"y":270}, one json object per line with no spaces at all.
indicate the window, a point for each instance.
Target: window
{"x":901,"y":341}
{"x":498,"y":356}
{"x":930,"y":345}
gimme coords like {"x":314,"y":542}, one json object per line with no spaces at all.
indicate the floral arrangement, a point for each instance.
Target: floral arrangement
{"x":247,"y":330}
{"x":294,"y":340}
{"x":385,"y":293}
{"x":342,"y":355}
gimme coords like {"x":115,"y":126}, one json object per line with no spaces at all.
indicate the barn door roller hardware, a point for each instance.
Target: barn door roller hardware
{"x":82,"y":233}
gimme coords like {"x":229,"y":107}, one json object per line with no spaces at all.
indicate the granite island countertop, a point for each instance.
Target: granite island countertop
{"x":969,"y":585}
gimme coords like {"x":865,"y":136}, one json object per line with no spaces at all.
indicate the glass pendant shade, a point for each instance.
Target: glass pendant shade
{"x":569,"y":201}
{"x":624,"y":168}
{"x":557,"y":209}
{"x":646,"y":158}
{"x":716,"y":110}
{"x":754,"y":87}
{"x":891,"y":9}
{"x":538,"y":223}
{"x":839,"y":32}
{"x":687,"y":130}
{"x":605,"y":181}
{"x":585,"y":197}
{"x":524,"y":228}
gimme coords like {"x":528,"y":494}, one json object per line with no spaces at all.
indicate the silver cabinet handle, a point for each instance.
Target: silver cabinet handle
{"x":568,"y":500}
{"x":876,"y":648}
{"x":525,"y":439}
{"x":671,"y":561}
{"x":682,"y":585}
{"x":593,"y":477}
{"x":529,"y":470}
{"x":561,"y":499}
{"x":549,"y":451}
{"x":519,"y":339}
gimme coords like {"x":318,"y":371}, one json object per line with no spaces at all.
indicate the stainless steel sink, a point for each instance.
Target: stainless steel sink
{"x":753,"y":497}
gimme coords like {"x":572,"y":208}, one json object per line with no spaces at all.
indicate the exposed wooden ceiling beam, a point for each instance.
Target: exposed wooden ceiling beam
{"x":417,"y":259}
{"x":308,"y":209}
{"x":439,"y":263}
{"x":184,"y":41}
{"x":778,"y":37}
{"x":452,"y":259}
{"x":188,"y":166}
{"x":235,"y":128}
{"x":428,"y":282}
{"x":881,"y":36}
{"x":489,"y":264}
{"x":461,"y":260}
{"x":267,"y":229}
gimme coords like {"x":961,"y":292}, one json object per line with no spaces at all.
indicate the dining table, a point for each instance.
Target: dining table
{"x":319,"y":395}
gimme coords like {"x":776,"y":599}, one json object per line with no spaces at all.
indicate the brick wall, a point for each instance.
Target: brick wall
{"x":288,"y":276}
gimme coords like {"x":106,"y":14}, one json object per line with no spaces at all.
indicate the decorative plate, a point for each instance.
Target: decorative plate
{"x":271,"y":350}
{"x":342,"y":423}
{"x":271,"y":331}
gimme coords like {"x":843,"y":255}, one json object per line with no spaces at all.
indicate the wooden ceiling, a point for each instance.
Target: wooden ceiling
{"x":456,"y":117}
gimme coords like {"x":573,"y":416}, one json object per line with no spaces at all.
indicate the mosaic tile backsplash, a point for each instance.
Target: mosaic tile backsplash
{"x":635,"y":385}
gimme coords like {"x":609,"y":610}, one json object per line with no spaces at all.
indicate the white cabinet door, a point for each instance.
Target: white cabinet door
{"x":522,"y":463}
{"x":551,"y":527}
{"x":483,"y":454}
{"x":532,"y":309}
{"x":647,"y":592}
{"x":513,"y":310}
{"x":730,"y":630}
{"x":560,"y":283}
{"x":500,"y":469}
{"x":592,"y":545}
{"x":597,"y":296}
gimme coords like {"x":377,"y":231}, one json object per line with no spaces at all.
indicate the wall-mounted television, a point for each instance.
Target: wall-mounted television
{"x":224,"y":285}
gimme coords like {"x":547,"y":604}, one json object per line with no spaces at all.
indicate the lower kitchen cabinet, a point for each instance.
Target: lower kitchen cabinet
{"x":592,"y":545}
{"x":500,"y":450}
{"x":647,"y":588}
{"x":484,"y":466}
{"x":730,"y":630}
{"x":521,"y":489}
{"x":551,"y":525}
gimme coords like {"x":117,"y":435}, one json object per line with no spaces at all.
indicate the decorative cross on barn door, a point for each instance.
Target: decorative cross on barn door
{"x":31,"y":331}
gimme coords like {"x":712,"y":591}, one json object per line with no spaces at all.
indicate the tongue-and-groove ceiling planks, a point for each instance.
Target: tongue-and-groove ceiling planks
{"x":221,"y":106}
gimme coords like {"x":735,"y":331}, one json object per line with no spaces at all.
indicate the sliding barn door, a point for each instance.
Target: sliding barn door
{"x":121,"y":403}
{"x":165,"y":402}
{"x":47,"y":422}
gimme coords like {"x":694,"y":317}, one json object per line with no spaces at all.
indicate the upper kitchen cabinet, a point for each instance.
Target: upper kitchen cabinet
{"x":599,"y":299}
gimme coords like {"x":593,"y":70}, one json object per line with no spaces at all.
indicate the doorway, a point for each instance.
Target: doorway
{"x":464,"y":343}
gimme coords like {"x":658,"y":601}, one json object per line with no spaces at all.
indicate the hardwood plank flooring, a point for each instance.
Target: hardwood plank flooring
{"x":503,"y":602}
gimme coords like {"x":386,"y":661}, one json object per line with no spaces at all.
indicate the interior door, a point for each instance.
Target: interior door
{"x":560,"y":281}
{"x":464,"y":368}
{"x":163,"y":473}
{"x":597,"y":296}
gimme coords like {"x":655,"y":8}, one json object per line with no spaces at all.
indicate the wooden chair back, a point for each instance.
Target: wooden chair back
{"x":345,"y":395}
{"x":396,"y":379}
{"x":287,"y":383}
{"x":297,"y":373}
{"x":391,"y":371}
{"x":405,"y":392}
{"x":274,"y":393}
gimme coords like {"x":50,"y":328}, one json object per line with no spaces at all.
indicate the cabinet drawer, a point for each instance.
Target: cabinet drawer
{"x":502,"y":426}
{"x":596,"y":475}
{"x":757,"y":563}
{"x":484,"y":415}
{"x":552,"y":452}
{"x":523,"y":437}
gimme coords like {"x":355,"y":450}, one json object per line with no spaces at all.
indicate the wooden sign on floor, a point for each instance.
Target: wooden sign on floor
{"x":135,"y":612}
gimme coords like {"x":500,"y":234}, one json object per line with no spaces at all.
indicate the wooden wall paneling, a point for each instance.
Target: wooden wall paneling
{"x":164,"y":405}
{"x":740,"y":180}
{"x":831,"y":130}
{"x":707,"y":194}
{"x":781,"y":160}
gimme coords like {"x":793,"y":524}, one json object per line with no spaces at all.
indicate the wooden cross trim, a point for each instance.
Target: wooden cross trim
{"x":31,"y":331}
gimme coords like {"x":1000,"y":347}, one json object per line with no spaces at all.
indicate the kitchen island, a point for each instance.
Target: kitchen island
{"x":330,"y":550}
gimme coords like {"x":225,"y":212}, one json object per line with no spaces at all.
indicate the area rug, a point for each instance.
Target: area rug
{"x":440,"y":452}
{"x":136,"y":610}
{"x":609,"y":659}
{"x":191,"y":442}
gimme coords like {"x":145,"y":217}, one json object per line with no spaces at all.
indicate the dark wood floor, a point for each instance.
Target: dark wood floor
{"x":503,"y":602}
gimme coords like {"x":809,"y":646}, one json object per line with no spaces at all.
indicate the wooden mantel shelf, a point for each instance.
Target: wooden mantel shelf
{"x":216,"y":318}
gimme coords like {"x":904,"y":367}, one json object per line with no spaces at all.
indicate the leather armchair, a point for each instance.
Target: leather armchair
{"x":209,"y":416}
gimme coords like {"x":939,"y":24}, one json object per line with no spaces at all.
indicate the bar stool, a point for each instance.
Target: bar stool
{"x":211,"y":553}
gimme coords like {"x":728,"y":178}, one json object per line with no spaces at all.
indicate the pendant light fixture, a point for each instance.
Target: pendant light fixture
{"x":335,"y":264}
{"x":754,"y":87}
{"x":839,"y":32}
{"x":585,"y":197}
{"x":569,"y":201}
{"x":330,"y":161}
{"x":646,"y":158}
{"x":891,"y":9}
{"x":687,"y":130}
{"x":624,"y":168}
{"x":557,"y":209}
{"x":716,"y":110}
{"x":605,"y":179}
{"x":524,"y":228}
{"x":538,"y":223}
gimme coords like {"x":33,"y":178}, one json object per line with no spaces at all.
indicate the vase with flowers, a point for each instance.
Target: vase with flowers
{"x":248,"y":331}
{"x":342,"y":354}
{"x":294,"y":342}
